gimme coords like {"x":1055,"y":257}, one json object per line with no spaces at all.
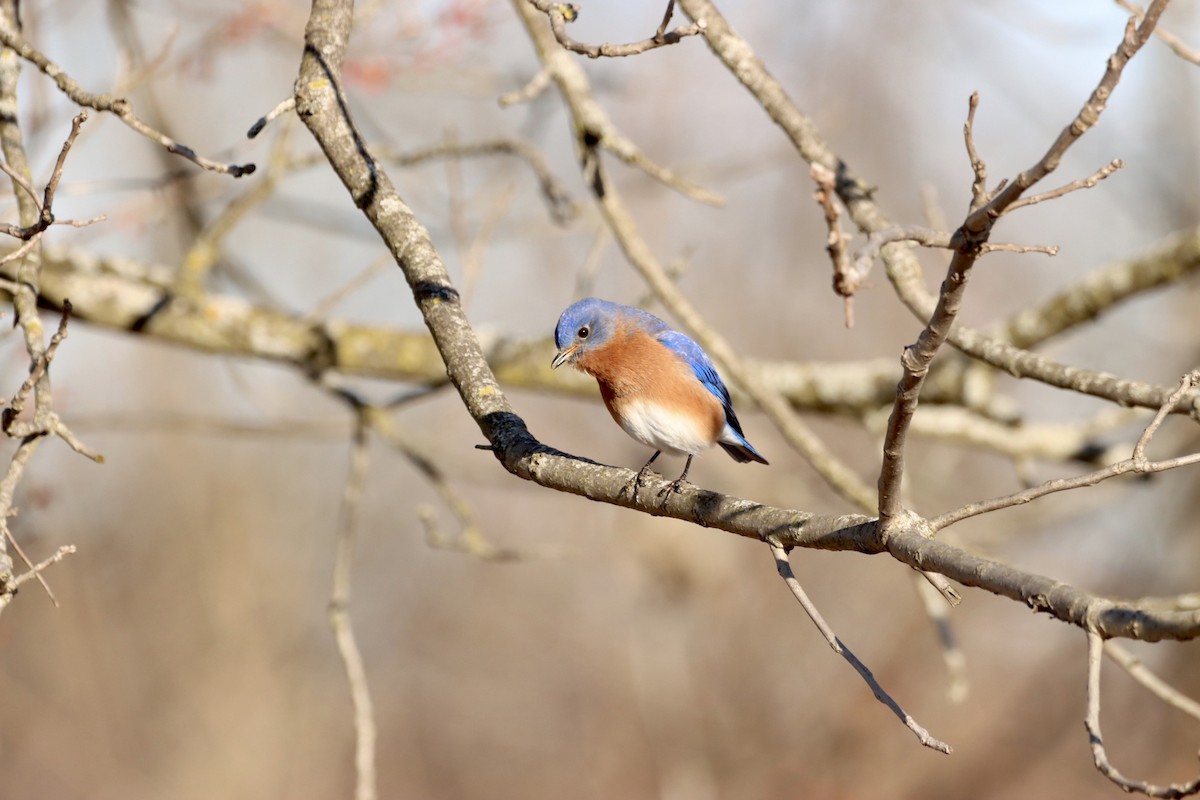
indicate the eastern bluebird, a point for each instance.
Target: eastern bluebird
{"x":658,"y":384}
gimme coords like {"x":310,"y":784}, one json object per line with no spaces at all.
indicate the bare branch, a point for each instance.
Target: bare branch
{"x":979,"y":223}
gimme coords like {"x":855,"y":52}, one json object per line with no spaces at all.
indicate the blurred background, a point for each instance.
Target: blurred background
{"x":625,"y":656}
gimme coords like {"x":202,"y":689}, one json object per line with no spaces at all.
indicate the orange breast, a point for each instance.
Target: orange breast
{"x":637,"y":367}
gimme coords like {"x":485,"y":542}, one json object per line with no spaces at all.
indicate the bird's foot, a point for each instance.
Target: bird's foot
{"x":638,"y":480}
{"x":674,"y":487}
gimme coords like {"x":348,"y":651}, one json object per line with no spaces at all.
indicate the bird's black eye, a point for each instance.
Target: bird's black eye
{"x":583,"y":332}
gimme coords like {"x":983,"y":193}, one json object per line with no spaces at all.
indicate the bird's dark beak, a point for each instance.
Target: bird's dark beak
{"x":563,"y":356}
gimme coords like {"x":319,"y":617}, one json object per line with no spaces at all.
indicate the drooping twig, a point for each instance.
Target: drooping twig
{"x":784,"y":566}
{"x":1099,"y":754}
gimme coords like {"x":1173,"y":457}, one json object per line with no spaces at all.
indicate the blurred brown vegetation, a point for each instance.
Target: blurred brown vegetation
{"x":639,"y":657}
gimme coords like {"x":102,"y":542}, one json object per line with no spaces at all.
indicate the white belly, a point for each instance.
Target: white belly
{"x":664,"y":428}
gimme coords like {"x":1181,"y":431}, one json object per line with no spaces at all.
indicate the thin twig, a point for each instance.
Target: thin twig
{"x":1169,"y":39}
{"x":846,"y":281}
{"x":666,"y":20}
{"x":594,"y":128}
{"x":1099,"y":754}
{"x":979,"y":192}
{"x":285,"y":106}
{"x":1073,"y":186}
{"x":1136,"y":463}
{"x":36,"y":569}
{"x":36,"y":371}
{"x":957,"y":685}
{"x":537,"y":84}
{"x":1007,"y":247}
{"x":784,"y":565}
{"x":1186,"y":382}
{"x":340,"y":622}
{"x":562,"y":13}
{"x":118,"y":106}
{"x":45,"y":206}
{"x":33,"y":570}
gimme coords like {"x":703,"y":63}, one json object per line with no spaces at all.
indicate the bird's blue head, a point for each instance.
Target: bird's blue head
{"x":590,"y":324}
{"x":586,"y":325}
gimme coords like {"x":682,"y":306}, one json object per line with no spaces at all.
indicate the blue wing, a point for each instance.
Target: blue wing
{"x":701,"y":365}
{"x":739,"y":449}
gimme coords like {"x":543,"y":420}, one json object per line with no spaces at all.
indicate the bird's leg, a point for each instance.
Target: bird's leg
{"x":678,"y":484}
{"x":636,"y":483}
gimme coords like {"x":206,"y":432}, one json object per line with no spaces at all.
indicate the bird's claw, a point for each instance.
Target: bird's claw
{"x":674,"y":487}
{"x":638,"y":480}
